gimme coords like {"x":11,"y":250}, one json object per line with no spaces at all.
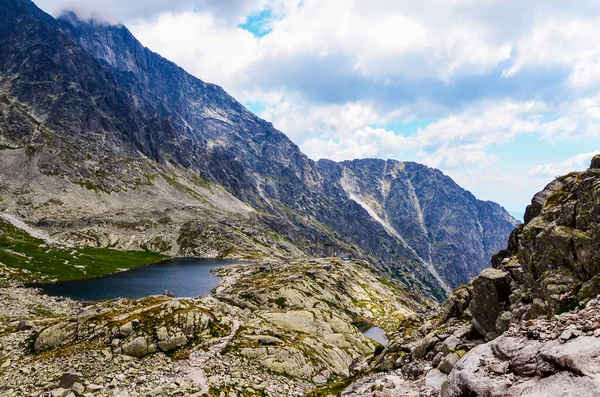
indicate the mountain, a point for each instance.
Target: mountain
{"x":105,"y":143}
{"x":529,"y":326}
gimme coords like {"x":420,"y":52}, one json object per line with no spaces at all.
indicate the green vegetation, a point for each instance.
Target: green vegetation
{"x":41,"y":262}
{"x":89,"y":185}
{"x":281,"y":302}
{"x":555,"y":198}
{"x":183,"y":188}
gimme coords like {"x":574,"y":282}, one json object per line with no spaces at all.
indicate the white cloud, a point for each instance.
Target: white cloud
{"x":114,"y":11}
{"x":563,"y":42}
{"x":491,"y":183}
{"x":301,"y":119}
{"x":577,"y":163}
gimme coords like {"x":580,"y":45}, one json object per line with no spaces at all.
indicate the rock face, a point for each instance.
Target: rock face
{"x":447,"y":227}
{"x":169,"y":163}
{"x":529,"y":326}
{"x":489,"y":301}
{"x":538,"y":358}
{"x":552,"y":266}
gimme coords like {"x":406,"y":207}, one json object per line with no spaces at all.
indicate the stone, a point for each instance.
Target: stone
{"x":447,"y":364}
{"x":168,"y":342}
{"x":491,"y":291}
{"x":435,"y":379}
{"x":94,"y":388}
{"x":126,"y":330}
{"x":136,"y":348}
{"x":54,"y":336}
{"x":595,"y":162}
{"x":67,"y":380}
{"x":25,"y":325}
{"x":569,"y":334}
{"x":78,"y":389}
{"x":484,"y":370}
{"x":424,"y":345}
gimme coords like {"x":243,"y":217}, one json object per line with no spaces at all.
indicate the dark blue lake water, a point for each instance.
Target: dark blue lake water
{"x":184,"y":277}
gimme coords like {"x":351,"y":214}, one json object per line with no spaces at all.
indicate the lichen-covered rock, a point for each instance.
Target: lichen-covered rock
{"x":138,"y":347}
{"x":536,"y":369}
{"x":170,"y":339}
{"x":491,"y":290}
{"x":596,"y":162}
{"x":55,"y":336}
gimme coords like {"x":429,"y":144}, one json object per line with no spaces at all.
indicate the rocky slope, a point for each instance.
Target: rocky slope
{"x":106,"y":144}
{"x":448,"y":228}
{"x":270,"y":329}
{"x":529,"y":326}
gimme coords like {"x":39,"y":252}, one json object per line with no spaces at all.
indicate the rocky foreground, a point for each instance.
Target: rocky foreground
{"x":270,"y":329}
{"x":527,"y":327}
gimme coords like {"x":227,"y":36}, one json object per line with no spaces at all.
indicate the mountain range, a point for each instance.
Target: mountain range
{"x":105,"y":143}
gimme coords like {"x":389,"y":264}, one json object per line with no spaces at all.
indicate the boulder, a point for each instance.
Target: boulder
{"x":490,"y":298}
{"x":537,"y":369}
{"x":448,"y":363}
{"x":168,"y":341}
{"x":136,"y":348}
{"x":54,"y":336}
{"x":67,"y":380}
{"x":435,"y":379}
{"x":125,"y":330}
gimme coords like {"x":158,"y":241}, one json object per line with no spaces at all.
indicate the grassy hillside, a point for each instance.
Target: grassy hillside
{"x":38,"y":261}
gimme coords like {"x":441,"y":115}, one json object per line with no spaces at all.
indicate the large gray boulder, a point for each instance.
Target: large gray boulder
{"x":513,"y":366}
{"x":54,"y":336}
{"x":491,"y":290}
{"x":136,"y":348}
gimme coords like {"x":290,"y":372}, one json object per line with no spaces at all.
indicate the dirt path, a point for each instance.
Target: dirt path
{"x":193,"y":368}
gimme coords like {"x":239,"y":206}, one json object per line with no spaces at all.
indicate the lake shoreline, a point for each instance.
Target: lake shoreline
{"x":183,"y":276}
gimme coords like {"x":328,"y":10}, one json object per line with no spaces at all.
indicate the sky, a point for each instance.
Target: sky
{"x":501,"y":95}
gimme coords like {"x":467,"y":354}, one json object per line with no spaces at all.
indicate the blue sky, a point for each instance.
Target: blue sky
{"x":502,"y":95}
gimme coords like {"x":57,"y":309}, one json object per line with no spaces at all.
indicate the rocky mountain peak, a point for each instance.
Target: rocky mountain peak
{"x":595,"y":162}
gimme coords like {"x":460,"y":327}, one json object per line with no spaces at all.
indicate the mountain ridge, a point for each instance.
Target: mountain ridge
{"x":107,"y":119}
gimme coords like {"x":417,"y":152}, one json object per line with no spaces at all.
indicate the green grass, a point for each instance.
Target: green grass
{"x":556,"y":197}
{"x":89,"y":185}
{"x":19,"y":250}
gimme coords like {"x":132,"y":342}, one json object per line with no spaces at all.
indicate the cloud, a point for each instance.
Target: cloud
{"x":115,"y":11}
{"x":515,"y":189}
{"x":577,"y":163}
{"x":208,"y":48}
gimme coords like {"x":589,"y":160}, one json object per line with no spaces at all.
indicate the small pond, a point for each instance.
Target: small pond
{"x":377,"y":334}
{"x":184,"y":277}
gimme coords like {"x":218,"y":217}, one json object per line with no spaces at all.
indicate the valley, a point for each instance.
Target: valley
{"x":157,"y":238}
